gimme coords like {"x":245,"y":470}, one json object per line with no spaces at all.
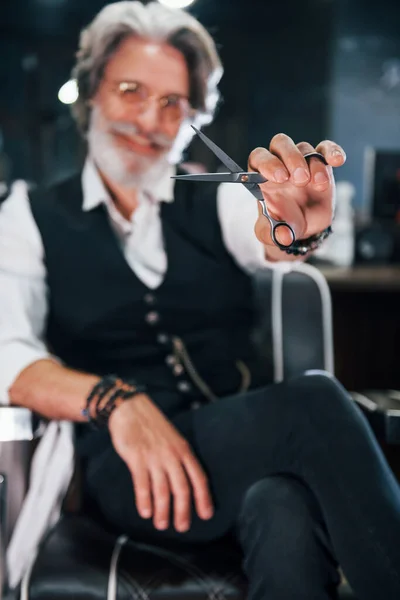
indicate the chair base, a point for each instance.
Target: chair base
{"x":78,"y":559}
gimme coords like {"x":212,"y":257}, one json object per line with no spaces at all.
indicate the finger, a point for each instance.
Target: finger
{"x":305,"y":148}
{"x":269,"y":165}
{"x":161,"y":497}
{"x":142,"y":488}
{"x":284,"y":147}
{"x":181,"y":492}
{"x":320,"y":173}
{"x":201,"y":491}
{"x":333,"y":153}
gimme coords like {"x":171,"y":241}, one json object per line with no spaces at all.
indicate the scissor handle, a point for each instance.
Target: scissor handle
{"x":318,"y":155}
{"x":275,"y":225}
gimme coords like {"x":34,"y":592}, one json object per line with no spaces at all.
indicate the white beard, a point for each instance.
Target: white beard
{"x":122,"y":165}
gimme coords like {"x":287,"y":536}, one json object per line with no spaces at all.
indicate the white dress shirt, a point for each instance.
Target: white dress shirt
{"x":23,"y":288}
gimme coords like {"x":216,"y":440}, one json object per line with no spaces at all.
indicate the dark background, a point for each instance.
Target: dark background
{"x":314,"y":69}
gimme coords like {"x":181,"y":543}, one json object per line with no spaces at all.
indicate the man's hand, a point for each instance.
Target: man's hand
{"x":299,"y":192}
{"x":161,"y":463}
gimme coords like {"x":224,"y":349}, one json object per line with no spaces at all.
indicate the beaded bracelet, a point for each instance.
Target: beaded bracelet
{"x":119,"y":396}
{"x":103,"y":398}
{"x":108,"y":394}
{"x":99,"y":390}
{"x":302,"y":247}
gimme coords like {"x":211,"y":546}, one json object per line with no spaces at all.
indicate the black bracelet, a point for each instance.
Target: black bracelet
{"x":122,"y":393}
{"x":116,"y":384}
{"x":99,"y":390}
{"x":119,"y":389}
{"x":302,"y":247}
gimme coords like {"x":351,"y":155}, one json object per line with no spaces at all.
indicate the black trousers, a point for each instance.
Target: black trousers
{"x":343,"y":500}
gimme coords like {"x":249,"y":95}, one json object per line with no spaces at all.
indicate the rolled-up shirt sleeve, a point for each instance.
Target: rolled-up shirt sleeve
{"x":23,"y":290}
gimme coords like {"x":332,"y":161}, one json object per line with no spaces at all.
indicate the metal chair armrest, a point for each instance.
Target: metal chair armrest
{"x":17,"y":435}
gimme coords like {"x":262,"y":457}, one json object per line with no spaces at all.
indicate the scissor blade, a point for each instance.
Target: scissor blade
{"x":223,"y":177}
{"x":241,"y":177}
{"x":223,"y":157}
{"x":255,"y":190}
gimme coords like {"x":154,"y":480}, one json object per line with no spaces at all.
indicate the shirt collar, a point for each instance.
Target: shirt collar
{"x":95,"y":192}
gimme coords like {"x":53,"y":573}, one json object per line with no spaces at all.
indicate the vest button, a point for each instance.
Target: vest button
{"x":184,"y":386}
{"x":178,"y":370}
{"x":152,"y":317}
{"x":195,"y":405}
{"x":170,"y":360}
{"x":162,"y":338}
{"x":149,"y":298}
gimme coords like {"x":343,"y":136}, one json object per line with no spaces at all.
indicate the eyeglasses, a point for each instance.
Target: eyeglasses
{"x":172,"y":108}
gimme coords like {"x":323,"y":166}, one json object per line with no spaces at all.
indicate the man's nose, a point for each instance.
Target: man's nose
{"x":148,"y":116}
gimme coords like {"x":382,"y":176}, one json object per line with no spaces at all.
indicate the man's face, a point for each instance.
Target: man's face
{"x":137,"y":110}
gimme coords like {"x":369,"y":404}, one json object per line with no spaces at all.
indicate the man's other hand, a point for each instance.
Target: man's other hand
{"x":162,"y":464}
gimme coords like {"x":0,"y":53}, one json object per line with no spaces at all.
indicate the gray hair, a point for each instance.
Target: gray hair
{"x":156,"y":22}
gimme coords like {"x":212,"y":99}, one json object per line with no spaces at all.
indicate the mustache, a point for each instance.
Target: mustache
{"x":128,"y":130}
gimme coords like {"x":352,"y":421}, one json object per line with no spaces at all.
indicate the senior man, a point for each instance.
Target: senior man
{"x":126,"y":304}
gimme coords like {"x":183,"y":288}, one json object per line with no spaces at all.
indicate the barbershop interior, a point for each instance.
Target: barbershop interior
{"x":199,"y":300}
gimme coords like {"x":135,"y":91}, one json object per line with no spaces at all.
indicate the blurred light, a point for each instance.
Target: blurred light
{"x":176,"y":3}
{"x":391,"y":74}
{"x":30,"y":62}
{"x":68,"y":93}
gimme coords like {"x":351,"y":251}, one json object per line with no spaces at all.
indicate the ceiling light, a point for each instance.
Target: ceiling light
{"x":68,"y":93}
{"x":176,"y":3}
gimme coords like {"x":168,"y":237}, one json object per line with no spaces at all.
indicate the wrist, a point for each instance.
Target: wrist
{"x":274,"y":254}
{"x":125,"y":408}
{"x":108,"y":394}
{"x":300,"y":249}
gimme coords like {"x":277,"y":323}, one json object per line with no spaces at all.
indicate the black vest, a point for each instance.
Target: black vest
{"x":103,"y":319}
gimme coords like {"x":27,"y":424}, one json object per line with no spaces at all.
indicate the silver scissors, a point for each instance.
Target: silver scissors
{"x":250,"y":180}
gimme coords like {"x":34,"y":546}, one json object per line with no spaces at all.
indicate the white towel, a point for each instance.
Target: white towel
{"x":51,"y":473}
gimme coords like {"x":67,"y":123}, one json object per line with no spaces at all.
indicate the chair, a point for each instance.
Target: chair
{"x":79,"y":559}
